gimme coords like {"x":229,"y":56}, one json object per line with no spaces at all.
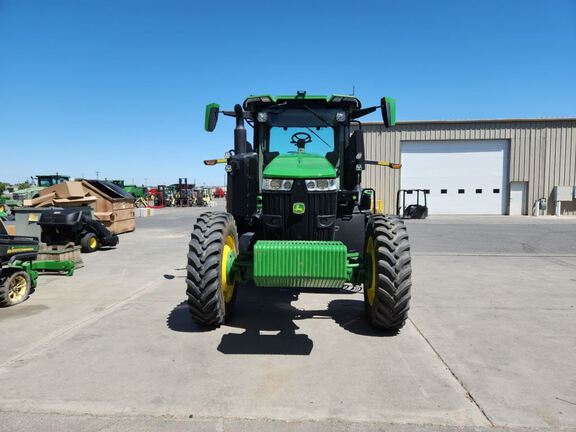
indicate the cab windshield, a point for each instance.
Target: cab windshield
{"x":319,"y":140}
{"x":50,"y":181}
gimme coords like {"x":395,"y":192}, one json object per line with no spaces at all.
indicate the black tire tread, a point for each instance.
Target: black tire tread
{"x":205,"y":300}
{"x":394,"y":271}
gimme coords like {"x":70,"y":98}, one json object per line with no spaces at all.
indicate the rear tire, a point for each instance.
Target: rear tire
{"x":14,"y":288}
{"x":213,"y":245}
{"x":387,"y":286}
{"x":89,"y":243}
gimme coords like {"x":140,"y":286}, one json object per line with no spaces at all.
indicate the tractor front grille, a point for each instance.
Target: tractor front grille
{"x":304,"y":226}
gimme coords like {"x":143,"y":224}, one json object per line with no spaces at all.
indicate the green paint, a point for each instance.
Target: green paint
{"x":135,"y":191}
{"x":391,"y":102}
{"x":298,"y":208}
{"x":19,"y":195}
{"x":207,"y":114}
{"x":311,"y":264}
{"x":300,"y":165}
{"x":65,"y":266}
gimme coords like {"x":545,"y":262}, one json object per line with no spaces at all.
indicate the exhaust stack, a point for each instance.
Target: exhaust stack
{"x":239,"y":131}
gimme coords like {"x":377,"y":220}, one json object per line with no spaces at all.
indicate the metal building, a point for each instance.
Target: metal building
{"x":476,"y":166}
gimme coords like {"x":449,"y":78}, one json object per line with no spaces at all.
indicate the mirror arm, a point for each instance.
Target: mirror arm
{"x":247,"y":114}
{"x":363,"y":112}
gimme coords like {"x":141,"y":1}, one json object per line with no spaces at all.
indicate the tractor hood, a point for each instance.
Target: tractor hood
{"x":299,"y":165}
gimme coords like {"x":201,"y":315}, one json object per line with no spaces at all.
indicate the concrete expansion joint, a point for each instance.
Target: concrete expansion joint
{"x":468,"y":394}
{"x":63,"y":334}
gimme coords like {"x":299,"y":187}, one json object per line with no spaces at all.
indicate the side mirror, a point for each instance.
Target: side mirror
{"x":211,"y":116}
{"x":388,"y":106}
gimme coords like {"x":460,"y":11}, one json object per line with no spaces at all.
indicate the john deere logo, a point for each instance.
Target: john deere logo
{"x":298,"y":208}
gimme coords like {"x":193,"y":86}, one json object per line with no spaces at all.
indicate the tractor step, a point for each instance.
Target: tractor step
{"x":302,"y":264}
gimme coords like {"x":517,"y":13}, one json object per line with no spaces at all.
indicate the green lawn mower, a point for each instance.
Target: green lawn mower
{"x":297,"y":215}
{"x":19,"y":268}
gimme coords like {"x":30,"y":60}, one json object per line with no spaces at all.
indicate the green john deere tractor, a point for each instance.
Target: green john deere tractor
{"x":43,"y":181}
{"x":297,"y":215}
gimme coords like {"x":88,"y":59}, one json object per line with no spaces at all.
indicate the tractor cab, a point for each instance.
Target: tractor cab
{"x":296,"y":213}
{"x":45,"y":181}
{"x":294,"y":126}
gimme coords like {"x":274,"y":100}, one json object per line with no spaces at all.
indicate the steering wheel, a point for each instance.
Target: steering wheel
{"x":300,"y":139}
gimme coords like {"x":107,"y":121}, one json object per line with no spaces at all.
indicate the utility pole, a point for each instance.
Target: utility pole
{"x":97,"y":174}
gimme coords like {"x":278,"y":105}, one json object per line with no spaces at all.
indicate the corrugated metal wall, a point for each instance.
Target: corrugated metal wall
{"x":542,"y":153}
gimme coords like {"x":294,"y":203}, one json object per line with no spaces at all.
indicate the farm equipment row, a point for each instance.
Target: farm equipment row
{"x":64,"y":232}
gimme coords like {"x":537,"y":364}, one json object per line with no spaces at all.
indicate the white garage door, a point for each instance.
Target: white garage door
{"x":463,"y":177}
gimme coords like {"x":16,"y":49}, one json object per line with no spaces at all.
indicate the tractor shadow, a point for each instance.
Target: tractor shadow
{"x":269,"y":321}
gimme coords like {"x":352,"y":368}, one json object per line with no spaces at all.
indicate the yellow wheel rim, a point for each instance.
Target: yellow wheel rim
{"x":229,"y":253}
{"x":17,"y":289}
{"x":371,"y":279}
{"x":93,"y":243}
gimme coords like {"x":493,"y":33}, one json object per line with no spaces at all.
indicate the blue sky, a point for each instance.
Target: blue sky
{"x":119,"y":86}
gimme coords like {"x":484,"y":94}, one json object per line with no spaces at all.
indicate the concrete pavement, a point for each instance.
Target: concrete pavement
{"x":490,"y":343}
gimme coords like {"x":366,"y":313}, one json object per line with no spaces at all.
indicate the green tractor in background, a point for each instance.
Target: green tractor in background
{"x":296,"y":213}
{"x":42,"y":181}
{"x":136,"y":191}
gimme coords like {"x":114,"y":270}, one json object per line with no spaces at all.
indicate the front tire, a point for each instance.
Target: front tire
{"x":14,"y":288}
{"x":212,"y":249}
{"x":388,"y":283}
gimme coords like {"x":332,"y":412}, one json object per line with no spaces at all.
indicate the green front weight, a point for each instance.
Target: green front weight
{"x":305,"y":264}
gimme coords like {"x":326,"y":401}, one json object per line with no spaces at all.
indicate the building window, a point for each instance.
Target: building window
{"x":496,"y":191}
{"x":460,"y":191}
{"x":443,"y":191}
{"x":426,"y":191}
{"x":478,"y":191}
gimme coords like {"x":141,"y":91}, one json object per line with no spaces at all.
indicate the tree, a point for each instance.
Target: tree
{"x":3,"y":187}
{"x":24,"y":185}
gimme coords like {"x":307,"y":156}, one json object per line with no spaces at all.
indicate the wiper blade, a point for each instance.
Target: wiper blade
{"x":317,"y":115}
{"x":322,"y":139}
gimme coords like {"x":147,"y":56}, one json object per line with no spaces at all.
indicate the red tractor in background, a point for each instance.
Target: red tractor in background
{"x":219,"y":193}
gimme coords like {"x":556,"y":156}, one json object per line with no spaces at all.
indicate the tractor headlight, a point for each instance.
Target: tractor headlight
{"x":322,"y":184}
{"x":273,"y":184}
